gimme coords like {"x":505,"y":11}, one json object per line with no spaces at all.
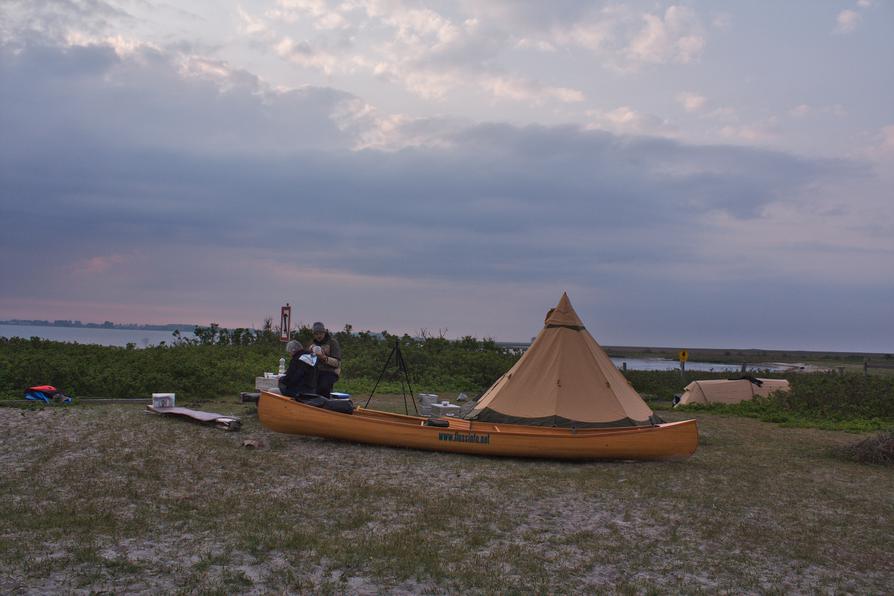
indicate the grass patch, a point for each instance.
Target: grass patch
{"x":110,"y":499}
{"x":771,"y":412}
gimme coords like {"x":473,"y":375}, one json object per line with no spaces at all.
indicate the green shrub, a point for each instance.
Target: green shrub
{"x":210,"y":368}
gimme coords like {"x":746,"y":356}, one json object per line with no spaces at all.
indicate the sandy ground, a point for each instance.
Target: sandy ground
{"x":108,"y":498}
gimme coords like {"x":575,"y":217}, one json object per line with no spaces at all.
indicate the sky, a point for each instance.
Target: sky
{"x":694,"y":174}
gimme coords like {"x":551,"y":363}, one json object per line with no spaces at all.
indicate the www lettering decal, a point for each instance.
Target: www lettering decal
{"x":464,"y":438}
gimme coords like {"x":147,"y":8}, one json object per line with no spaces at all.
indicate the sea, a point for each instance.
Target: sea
{"x":665,"y":364}
{"x":141,"y":338}
{"x":144,"y":338}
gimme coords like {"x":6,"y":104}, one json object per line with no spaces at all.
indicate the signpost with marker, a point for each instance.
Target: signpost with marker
{"x":684,"y":356}
{"x":285,"y":322}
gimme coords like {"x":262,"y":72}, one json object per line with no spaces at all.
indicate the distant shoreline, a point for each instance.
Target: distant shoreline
{"x":720,"y":355}
{"x":107,"y":325}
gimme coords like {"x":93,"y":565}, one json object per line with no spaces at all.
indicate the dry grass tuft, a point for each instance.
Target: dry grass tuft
{"x":877,"y":449}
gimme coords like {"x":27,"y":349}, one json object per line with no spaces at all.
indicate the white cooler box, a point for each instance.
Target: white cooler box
{"x":268,"y":382}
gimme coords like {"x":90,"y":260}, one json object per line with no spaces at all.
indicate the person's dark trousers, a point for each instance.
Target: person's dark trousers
{"x":325,"y":380}
{"x":287,"y":392}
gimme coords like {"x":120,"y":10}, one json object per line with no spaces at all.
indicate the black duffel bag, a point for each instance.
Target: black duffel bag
{"x":345,"y":406}
{"x":311,"y":399}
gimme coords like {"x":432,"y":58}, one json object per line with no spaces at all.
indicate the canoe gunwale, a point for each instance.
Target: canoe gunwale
{"x":516,"y":429}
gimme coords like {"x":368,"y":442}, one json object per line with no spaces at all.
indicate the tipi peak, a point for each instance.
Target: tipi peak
{"x":563,"y":315}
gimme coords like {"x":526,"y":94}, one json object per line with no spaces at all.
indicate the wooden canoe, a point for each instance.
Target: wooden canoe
{"x":673,"y":440}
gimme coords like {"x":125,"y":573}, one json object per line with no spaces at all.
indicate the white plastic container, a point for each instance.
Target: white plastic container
{"x":163,"y":400}
{"x":445,"y":408}
{"x":425,"y":402}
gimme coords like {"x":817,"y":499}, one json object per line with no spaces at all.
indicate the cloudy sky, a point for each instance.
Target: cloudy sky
{"x":705,"y":174}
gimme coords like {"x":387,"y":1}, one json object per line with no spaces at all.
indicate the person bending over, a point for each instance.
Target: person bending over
{"x":301,"y":376}
{"x":328,"y":352}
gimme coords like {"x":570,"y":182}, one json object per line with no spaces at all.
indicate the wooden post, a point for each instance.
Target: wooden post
{"x":866,"y":367}
{"x":683,"y":369}
{"x":624,"y":366}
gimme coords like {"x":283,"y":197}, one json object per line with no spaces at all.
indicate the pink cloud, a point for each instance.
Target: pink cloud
{"x":98,"y":264}
{"x":847,"y":21}
{"x":888,"y":137}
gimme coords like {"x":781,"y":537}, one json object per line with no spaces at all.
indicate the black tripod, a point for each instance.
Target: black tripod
{"x":401,"y":368}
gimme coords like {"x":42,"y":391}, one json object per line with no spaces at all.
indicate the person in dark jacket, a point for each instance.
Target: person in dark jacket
{"x":328,"y":353}
{"x":301,"y":376}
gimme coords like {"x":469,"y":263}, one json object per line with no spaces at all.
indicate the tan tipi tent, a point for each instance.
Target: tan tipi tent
{"x":564,"y":379}
{"x":729,"y":391}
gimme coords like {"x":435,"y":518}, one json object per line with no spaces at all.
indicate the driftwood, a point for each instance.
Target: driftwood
{"x":219,"y":420}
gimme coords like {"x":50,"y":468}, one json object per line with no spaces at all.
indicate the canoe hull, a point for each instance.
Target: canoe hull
{"x":674,"y":440}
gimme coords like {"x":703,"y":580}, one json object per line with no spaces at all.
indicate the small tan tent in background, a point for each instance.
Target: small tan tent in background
{"x":564,"y":379}
{"x":723,"y":391}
